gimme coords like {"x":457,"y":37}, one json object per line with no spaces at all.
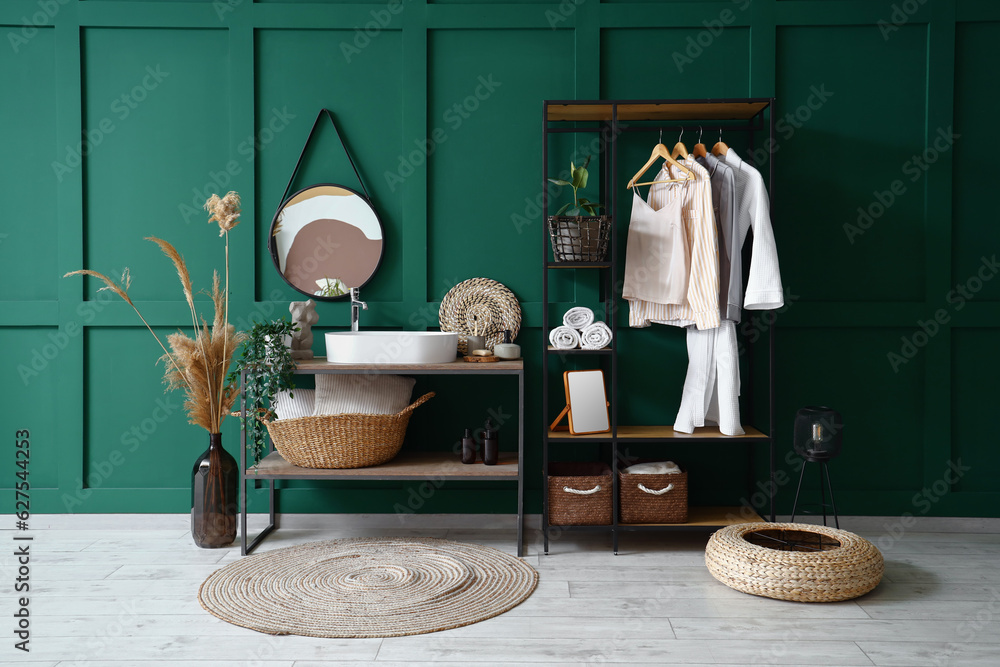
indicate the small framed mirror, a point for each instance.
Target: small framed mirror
{"x":326,"y":239}
{"x":587,"y":402}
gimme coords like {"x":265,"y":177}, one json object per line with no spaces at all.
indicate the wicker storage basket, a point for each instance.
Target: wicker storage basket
{"x":653,"y":498}
{"x":794,"y":561}
{"x":341,"y":441}
{"x":579,"y":494}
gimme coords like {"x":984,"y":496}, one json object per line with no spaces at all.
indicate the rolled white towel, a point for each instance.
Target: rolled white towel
{"x":659,"y":468}
{"x":596,"y":336}
{"x":564,"y":338}
{"x":579,"y":318}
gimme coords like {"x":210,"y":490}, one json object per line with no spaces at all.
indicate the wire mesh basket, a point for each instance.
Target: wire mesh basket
{"x":579,"y":238}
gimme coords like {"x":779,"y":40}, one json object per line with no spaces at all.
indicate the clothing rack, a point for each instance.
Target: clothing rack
{"x":612,"y":118}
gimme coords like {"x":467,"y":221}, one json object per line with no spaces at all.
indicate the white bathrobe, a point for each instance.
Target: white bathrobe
{"x":712,"y":385}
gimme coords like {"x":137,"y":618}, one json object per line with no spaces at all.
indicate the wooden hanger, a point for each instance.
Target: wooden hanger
{"x":699,"y":149}
{"x":660,"y":151}
{"x":720,"y":148}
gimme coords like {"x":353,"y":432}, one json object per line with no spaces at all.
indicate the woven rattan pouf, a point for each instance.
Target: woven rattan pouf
{"x":794,"y":561}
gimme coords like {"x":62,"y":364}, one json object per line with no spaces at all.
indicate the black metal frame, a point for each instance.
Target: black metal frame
{"x":466,"y":369}
{"x":285,"y":197}
{"x":610,"y":271}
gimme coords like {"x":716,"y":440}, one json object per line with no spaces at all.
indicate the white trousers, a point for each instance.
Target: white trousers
{"x":712,"y":384}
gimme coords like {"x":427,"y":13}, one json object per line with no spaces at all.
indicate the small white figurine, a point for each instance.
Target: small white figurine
{"x":304,"y":317}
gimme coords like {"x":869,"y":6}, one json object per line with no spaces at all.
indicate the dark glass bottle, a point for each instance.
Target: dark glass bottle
{"x":491,"y":445}
{"x":468,"y":447}
{"x":214,"y":504}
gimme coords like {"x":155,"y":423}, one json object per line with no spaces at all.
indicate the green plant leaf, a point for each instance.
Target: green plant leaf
{"x":579,"y":177}
{"x":573,"y":211}
{"x":563,"y":208}
{"x":583,"y":177}
{"x":559,"y":181}
{"x":269,"y":369}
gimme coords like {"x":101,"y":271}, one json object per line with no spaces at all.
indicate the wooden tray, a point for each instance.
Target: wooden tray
{"x":483,"y":360}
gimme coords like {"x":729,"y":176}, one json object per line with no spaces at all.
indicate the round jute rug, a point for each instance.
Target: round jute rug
{"x":367,"y":587}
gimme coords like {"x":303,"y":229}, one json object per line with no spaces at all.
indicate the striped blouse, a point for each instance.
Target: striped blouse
{"x":701,"y":303}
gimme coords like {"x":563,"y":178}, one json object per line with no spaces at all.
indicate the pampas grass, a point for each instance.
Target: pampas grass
{"x":197,"y":365}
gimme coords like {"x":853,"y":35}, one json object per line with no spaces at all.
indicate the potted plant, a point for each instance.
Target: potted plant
{"x":199,"y":366}
{"x":268,"y":367}
{"x":577,"y":237}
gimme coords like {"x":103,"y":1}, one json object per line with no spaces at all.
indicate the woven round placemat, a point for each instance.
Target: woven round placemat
{"x":480,"y":304}
{"x":801,"y":562}
{"x":367,"y":587}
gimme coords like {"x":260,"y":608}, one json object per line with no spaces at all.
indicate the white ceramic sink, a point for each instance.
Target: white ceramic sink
{"x":391,"y":347}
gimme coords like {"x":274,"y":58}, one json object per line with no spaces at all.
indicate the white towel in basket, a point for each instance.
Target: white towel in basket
{"x":658,"y":468}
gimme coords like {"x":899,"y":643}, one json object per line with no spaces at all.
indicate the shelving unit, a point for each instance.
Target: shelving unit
{"x":608,"y":117}
{"x":407,"y":465}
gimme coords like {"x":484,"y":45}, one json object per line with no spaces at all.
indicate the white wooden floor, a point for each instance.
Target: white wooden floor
{"x":106,"y":596}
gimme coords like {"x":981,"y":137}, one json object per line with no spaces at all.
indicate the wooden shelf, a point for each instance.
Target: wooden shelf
{"x":601,"y":111}
{"x":321,"y":365}
{"x":406,"y":466}
{"x":662,"y":433}
{"x":707,"y":517}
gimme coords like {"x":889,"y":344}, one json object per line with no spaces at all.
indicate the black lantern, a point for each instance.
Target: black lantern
{"x":817,"y":438}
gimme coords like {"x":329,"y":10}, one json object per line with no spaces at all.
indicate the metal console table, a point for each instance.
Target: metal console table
{"x":407,"y":466}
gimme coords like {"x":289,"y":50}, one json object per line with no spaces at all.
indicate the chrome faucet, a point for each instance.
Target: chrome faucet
{"x":357,"y":305}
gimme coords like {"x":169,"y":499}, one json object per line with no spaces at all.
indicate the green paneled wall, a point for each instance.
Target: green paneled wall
{"x":119,"y":118}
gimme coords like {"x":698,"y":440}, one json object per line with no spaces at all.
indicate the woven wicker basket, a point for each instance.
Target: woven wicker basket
{"x":342,"y":441}
{"x":653,"y":498}
{"x":579,"y":494}
{"x":794,"y":561}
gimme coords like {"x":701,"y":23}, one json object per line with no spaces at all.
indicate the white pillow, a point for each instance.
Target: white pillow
{"x":366,"y":393}
{"x":302,"y":405}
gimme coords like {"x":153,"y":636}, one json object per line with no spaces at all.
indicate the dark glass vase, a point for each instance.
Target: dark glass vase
{"x":214,"y":483}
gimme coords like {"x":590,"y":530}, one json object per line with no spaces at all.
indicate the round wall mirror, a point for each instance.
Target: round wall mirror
{"x":326,"y":239}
